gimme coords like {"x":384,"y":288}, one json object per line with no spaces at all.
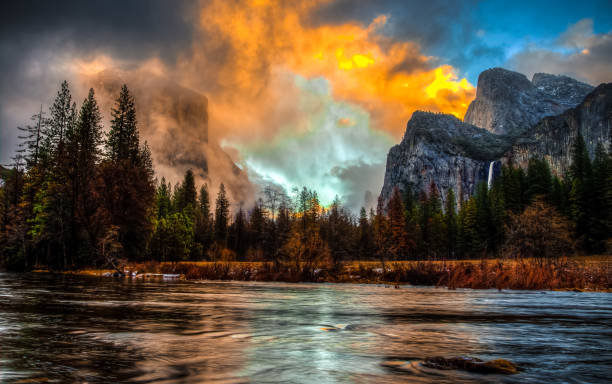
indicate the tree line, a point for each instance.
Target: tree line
{"x":77,"y":197}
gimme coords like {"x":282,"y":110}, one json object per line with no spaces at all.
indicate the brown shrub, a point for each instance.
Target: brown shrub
{"x":562,"y":273}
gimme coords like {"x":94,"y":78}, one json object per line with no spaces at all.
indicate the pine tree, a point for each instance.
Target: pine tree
{"x":486,"y":227}
{"x":437,"y":241}
{"x":514,"y":188}
{"x":128,"y":187}
{"x":188,"y":191}
{"x":54,"y":221}
{"x":411,"y":219}
{"x":498,"y":216}
{"x":177,"y":198}
{"x":450,"y":217}
{"x":238,"y":234}
{"x":122,"y":143}
{"x":469,"y":238}
{"x":338,"y":232}
{"x":32,"y":145}
{"x":257,"y":224}
{"x":559,"y":196}
{"x":62,"y":121}
{"x":608,"y":192}
{"x":397,"y":226}
{"x":14,"y":228}
{"x":88,"y":135}
{"x":273,"y":198}
{"x":203,"y":222}
{"x":580,"y":195}
{"x":601,"y":229}
{"x":423,"y":216}
{"x":365,"y":246}
{"x":163,"y":199}
{"x":84,"y":146}
{"x":382,"y":233}
{"x":283,"y":227}
{"x":221,"y":217}
{"x":539,"y":179}
{"x":32,"y":175}
{"x":172,"y":238}
{"x":305,"y":245}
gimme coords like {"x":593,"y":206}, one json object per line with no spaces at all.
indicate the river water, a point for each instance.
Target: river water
{"x":88,"y":329}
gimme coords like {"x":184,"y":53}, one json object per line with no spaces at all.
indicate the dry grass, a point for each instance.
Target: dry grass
{"x":586,"y":272}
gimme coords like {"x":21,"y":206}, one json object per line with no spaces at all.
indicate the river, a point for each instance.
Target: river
{"x":86,"y":329}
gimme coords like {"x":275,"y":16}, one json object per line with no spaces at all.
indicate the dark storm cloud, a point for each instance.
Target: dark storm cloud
{"x":363,"y":182}
{"x":430,"y":23}
{"x":130,"y":28}
{"x":34,"y":33}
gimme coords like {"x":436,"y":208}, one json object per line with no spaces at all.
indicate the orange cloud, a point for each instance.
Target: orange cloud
{"x":257,"y":39}
{"x":268,"y":71}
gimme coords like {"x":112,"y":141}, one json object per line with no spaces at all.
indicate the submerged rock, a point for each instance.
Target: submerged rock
{"x":340,"y":327}
{"x":472,"y":364}
{"x":394,"y":363}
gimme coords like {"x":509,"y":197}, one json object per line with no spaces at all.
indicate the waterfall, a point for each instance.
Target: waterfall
{"x":490,"y":179}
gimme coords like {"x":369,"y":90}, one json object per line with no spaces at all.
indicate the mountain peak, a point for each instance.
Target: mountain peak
{"x":508,"y":103}
{"x":511,"y":117}
{"x":498,"y":82}
{"x":566,"y":90}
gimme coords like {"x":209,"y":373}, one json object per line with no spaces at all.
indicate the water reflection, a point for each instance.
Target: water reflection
{"x":80,"y":329}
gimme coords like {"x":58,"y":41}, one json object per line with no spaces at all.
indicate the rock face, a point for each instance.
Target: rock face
{"x":565,"y":90}
{"x":508,"y":103}
{"x":552,"y":137}
{"x":174,"y":121}
{"x":511,"y":118}
{"x":472,"y":364}
{"x":443,"y":149}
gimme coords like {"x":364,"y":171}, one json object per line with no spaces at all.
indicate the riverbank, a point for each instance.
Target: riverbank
{"x":573,"y":273}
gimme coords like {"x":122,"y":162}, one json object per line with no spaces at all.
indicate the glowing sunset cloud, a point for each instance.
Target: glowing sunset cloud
{"x":301,"y":104}
{"x":277,"y":74}
{"x":388,"y":78}
{"x":275,"y":80}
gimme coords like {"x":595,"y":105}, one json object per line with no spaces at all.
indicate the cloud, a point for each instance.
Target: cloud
{"x":39,"y":39}
{"x":174,"y":121}
{"x":362,"y":182}
{"x":244,"y":43}
{"x":316,"y":149}
{"x":430,"y":23}
{"x":578,"y":53}
{"x":132,"y":29}
{"x":295,"y":90}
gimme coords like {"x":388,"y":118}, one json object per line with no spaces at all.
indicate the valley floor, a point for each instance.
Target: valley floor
{"x":571,"y":273}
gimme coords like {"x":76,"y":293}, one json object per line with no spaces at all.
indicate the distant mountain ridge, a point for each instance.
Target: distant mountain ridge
{"x":552,"y":137}
{"x":511,"y":118}
{"x":174,"y":121}
{"x":508,"y":103}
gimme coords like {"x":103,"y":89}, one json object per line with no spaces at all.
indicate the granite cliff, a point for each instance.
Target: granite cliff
{"x":552,"y":137}
{"x":174,"y":121}
{"x":511,"y":118}
{"x":444,"y":149}
{"x":508,"y":103}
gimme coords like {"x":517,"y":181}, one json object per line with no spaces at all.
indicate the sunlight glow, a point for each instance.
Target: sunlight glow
{"x":445,"y":78}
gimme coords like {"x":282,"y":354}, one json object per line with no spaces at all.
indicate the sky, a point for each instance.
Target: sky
{"x":296,"y":93}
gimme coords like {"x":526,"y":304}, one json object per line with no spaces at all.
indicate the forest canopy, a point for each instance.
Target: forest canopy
{"x":77,"y":197}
